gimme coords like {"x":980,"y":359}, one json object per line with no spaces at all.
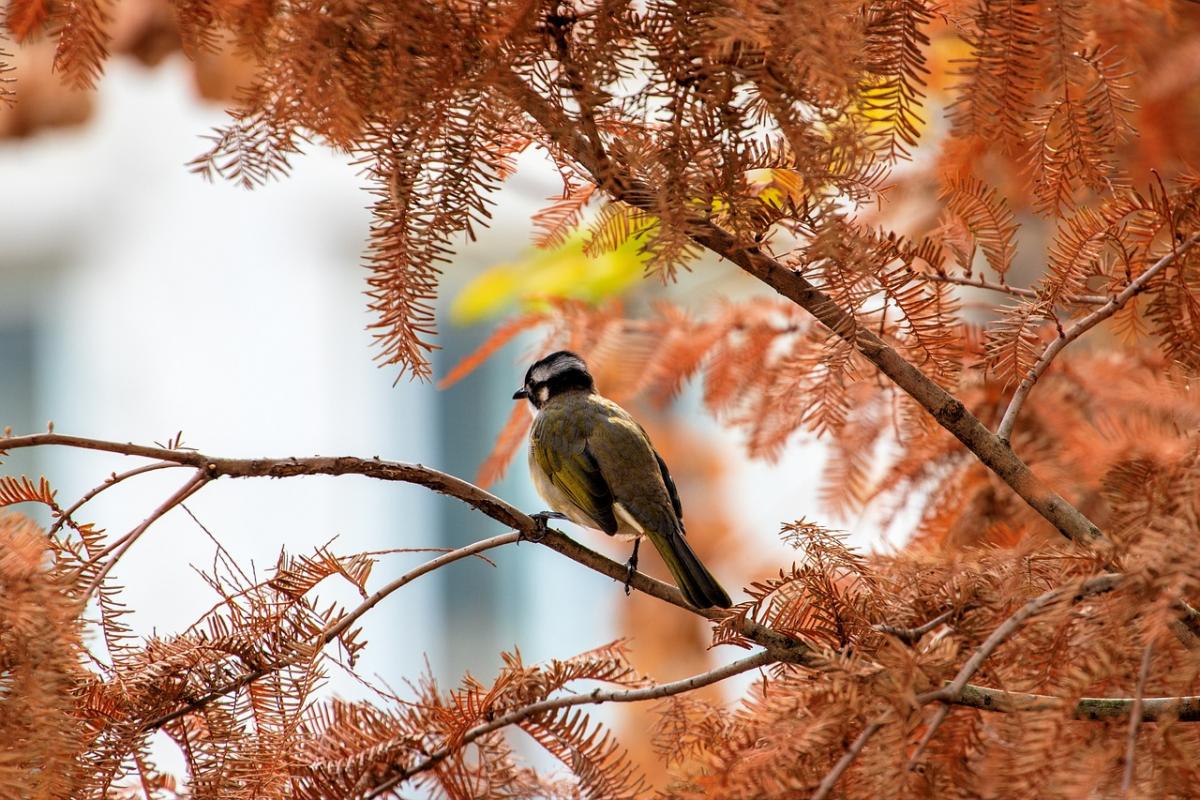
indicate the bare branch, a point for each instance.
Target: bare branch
{"x":112,"y":481}
{"x":1135,"y":719}
{"x":911,"y":636}
{"x":947,"y":410}
{"x":843,"y":763}
{"x":1183,"y":709}
{"x":120,"y":546}
{"x":939,"y":717}
{"x":596,"y":697}
{"x":786,"y":648}
{"x":1009,"y":420}
{"x":1014,"y":291}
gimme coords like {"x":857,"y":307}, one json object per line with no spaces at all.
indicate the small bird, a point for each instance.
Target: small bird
{"x":594,"y":464}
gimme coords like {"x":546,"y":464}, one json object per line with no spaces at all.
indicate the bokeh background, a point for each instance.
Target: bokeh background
{"x":138,"y":301}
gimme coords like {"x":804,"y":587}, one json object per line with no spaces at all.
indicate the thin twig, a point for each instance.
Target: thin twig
{"x":1135,"y":720}
{"x":830,"y":779}
{"x":983,"y":283}
{"x":911,"y":636}
{"x":939,"y":717}
{"x":119,"y":547}
{"x":1004,"y":431}
{"x":596,"y":697}
{"x":333,"y":630}
{"x":112,"y":481}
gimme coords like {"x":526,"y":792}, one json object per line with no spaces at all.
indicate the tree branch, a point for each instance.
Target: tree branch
{"x":1014,"y":291}
{"x":847,"y":758}
{"x":596,"y":697}
{"x":1135,"y":720}
{"x":939,"y":717}
{"x":911,"y":636}
{"x":947,"y":410}
{"x":1154,"y":709}
{"x":120,"y":546}
{"x":1009,"y":420}
{"x":209,"y":467}
{"x":112,"y":481}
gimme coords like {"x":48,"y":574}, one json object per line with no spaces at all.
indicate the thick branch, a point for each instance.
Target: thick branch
{"x":595,"y":697}
{"x":1154,"y":709}
{"x":948,"y":411}
{"x":1004,"y":431}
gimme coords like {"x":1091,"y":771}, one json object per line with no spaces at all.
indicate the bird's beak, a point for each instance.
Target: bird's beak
{"x":521,"y":394}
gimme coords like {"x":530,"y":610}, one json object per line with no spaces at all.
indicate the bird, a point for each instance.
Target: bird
{"x":595,"y":465}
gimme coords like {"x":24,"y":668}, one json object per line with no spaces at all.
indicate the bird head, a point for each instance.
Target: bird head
{"x":551,"y":376}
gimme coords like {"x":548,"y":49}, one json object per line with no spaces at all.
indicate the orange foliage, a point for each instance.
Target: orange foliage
{"x":998,"y":416}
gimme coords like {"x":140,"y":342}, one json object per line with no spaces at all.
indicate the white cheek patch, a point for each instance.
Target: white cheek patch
{"x":627,"y":518}
{"x":543,"y":394}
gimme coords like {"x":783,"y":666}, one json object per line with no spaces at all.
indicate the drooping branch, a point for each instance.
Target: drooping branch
{"x":595,"y":697}
{"x":947,"y":410}
{"x":1138,"y":284}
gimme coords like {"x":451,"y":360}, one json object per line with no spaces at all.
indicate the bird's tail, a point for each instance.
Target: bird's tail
{"x":698,"y":585}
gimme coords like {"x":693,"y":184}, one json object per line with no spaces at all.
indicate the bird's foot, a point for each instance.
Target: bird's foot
{"x":540,"y":519}
{"x":631,"y":567}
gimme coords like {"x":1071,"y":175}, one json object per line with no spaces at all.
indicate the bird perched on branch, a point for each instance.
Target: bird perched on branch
{"x":594,"y":465}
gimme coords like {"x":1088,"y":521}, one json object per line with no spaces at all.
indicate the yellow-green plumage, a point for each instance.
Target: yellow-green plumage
{"x":592,"y":462}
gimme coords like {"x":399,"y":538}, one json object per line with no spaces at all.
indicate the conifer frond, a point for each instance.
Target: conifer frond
{"x":554,"y":223}
{"x":295,"y":576}
{"x":985,"y":213}
{"x":15,"y":490}
{"x":893,"y":95}
{"x":593,"y":756}
{"x":250,"y":151}
{"x":503,"y":334}
{"x":82,"y":41}
{"x":616,"y":224}
{"x":1014,"y":341}
{"x":25,"y":18}
{"x":508,"y":443}
{"x":994,"y":99}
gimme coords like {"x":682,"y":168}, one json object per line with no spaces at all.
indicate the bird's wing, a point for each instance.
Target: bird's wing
{"x":577,"y":474}
{"x":671,"y":490}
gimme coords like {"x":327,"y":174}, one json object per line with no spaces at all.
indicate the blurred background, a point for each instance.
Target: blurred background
{"x":138,"y":301}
